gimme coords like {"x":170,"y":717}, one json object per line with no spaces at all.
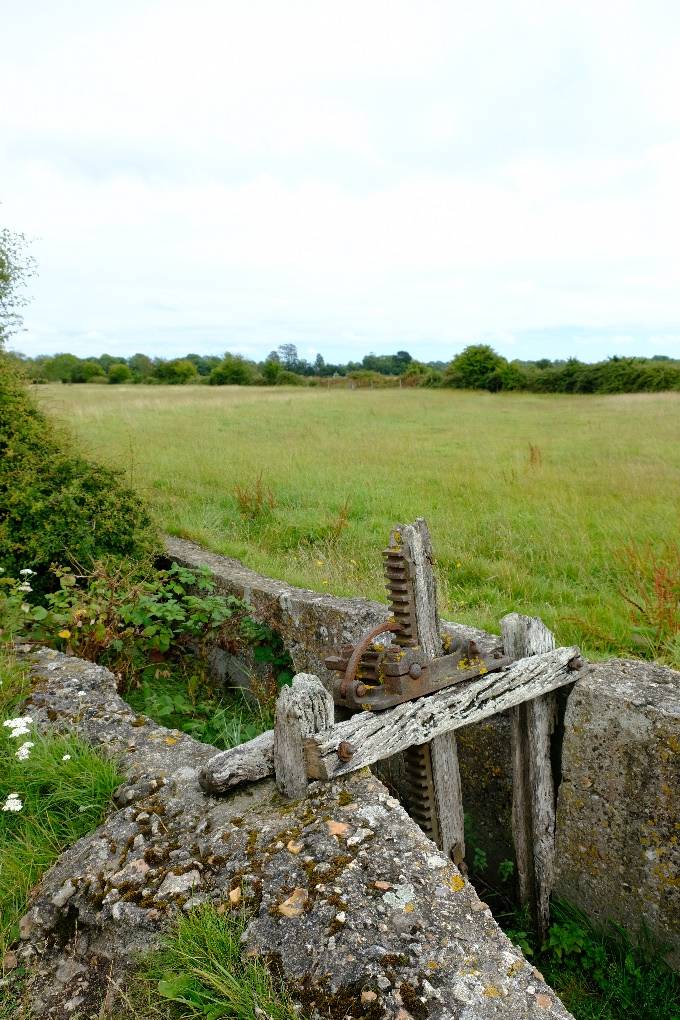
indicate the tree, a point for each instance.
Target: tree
{"x":60,"y":368}
{"x":176,"y":372}
{"x":233,"y":370}
{"x":87,"y":370}
{"x":141,"y":367}
{"x":478,"y":367}
{"x":119,"y":374}
{"x":288,"y":355}
{"x":15,"y":268}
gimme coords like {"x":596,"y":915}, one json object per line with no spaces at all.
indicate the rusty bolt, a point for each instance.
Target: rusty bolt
{"x":360,"y":690}
{"x":345,"y":750}
{"x":415,"y":670}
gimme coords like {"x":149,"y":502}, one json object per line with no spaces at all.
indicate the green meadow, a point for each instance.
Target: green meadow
{"x":561,"y":506}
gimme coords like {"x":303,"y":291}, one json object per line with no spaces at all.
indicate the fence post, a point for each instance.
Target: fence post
{"x":302,"y":709}
{"x":533,"y":789}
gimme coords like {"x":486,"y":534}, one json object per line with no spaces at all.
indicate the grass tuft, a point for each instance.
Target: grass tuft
{"x":200,"y":972}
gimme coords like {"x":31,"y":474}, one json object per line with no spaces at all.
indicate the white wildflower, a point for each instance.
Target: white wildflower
{"x":27,"y":571}
{"x":66,"y":757}
{"x":20,"y":726}
{"x":25,"y":608}
{"x":24,"y":587}
{"x":24,"y":752}
{"x":13,"y":803}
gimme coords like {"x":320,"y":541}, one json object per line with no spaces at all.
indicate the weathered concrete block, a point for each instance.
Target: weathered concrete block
{"x":618,"y":823}
{"x":344,"y":890}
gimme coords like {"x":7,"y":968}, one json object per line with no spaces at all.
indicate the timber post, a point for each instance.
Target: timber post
{"x":433,"y":764}
{"x":302,"y":709}
{"x":533,"y":787}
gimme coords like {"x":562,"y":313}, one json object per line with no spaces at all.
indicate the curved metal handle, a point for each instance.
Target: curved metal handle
{"x":355,"y":657}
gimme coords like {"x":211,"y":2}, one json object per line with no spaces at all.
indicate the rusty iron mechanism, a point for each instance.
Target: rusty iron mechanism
{"x":379,"y":673}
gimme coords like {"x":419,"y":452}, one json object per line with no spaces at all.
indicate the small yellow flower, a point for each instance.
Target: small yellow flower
{"x":64,"y":633}
{"x":319,"y":563}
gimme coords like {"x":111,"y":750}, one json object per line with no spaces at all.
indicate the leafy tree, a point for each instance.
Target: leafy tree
{"x":233,"y":370}
{"x":288,"y":355}
{"x":475,"y":368}
{"x":176,"y":372}
{"x":60,"y":368}
{"x":15,"y":269}
{"x":87,"y":370}
{"x":141,"y":366}
{"x":119,"y":374}
{"x":271,"y":370}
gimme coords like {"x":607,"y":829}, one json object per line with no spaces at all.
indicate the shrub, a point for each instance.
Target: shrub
{"x":478,"y":367}
{"x":55,"y":505}
{"x":233,"y":370}
{"x":119,"y":374}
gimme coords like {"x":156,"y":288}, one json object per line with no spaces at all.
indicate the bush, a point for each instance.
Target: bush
{"x":55,"y":505}
{"x":478,"y":367}
{"x":233,"y":370}
{"x":119,"y":374}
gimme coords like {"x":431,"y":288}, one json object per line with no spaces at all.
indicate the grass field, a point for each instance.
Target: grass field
{"x":549,"y":505}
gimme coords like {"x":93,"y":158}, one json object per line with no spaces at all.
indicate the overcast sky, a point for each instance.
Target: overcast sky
{"x":346,"y":176}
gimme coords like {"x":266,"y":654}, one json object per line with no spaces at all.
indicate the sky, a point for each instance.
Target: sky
{"x":346,"y":176}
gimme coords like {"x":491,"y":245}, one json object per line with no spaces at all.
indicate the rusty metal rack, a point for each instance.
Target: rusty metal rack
{"x":381,"y":672}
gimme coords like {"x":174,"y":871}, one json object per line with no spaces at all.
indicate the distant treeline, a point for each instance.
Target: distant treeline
{"x":477,"y":367}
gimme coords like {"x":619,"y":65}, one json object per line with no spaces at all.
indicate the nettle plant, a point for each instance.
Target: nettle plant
{"x":136,"y":626}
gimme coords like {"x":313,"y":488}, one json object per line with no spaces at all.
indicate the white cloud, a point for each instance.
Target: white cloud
{"x":243,"y":174}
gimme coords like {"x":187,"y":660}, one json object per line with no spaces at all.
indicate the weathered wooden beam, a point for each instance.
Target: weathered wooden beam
{"x":246,"y":763}
{"x":533,"y":789}
{"x":302,"y":709}
{"x":446,"y":809}
{"x":414,"y":540}
{"x":448,"y":797}
{"x":376,"y":735}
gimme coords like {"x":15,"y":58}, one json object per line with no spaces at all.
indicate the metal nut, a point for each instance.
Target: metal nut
{"x":345,"y":750}
{"x":360,"y":690}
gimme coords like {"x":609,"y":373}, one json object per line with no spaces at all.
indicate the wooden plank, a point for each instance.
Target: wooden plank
{"x":376,"y":735}
{"x":533,"y":790}
{"x":448,"y":796}
{"x":246,"y":763}
{"x":447,"y":800}
{"x":302,"y":709}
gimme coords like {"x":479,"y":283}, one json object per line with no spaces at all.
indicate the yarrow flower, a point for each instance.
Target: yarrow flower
{"x":18,"y":726}
{"x":13,"y":803}
{"x":27,"y":572}
{"x":24,"y":752}
{"x":24,"y":587}
{"x":66,"y":757}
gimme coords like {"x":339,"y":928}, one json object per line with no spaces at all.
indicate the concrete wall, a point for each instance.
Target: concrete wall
{"x":618,"y":823}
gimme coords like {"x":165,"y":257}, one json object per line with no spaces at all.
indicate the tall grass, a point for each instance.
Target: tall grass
{"x":531,"y":499}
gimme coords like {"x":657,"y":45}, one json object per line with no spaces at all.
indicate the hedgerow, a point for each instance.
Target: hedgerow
{"x":55,"y":505}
